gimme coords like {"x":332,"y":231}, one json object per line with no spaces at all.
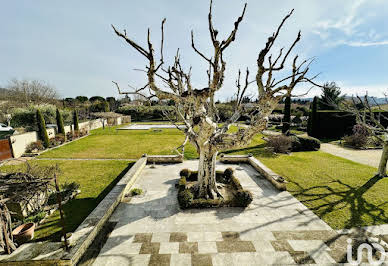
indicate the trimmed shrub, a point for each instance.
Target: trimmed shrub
{"x":136,"y":191}
{"x":60,"y":125}
{"x":313,"y":120}
{"x":279,"y":144}
{"x":140,"y":113}
{"x":302,"y":143}
{"x":26,"y":117}
{"x":287,"y":115}
{"x":243,"y":198}
{"x":42,"y":132}
{"x":75,"y":120}
{"x":185,"y":198}
{"x":185,"y":173}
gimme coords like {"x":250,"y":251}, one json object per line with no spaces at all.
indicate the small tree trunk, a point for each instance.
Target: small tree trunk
{"x":207,"y":175}
{"x":383,"y":160}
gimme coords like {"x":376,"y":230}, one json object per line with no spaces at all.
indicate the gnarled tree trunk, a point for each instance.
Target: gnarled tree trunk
{"x":207,"y":173}
{"x":382,"y":171}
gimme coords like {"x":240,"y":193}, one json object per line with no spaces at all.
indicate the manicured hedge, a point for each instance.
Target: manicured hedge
{"x":337,"y":124}
{"x":141,"y":113}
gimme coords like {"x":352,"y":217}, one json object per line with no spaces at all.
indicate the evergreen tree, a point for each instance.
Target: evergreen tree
{"x":287,"y":115}
{"x":60,"y":125}
{"x":312,"y":121}
{"x":331,"y":96}
{"x":42,"y":128}
{"x":75,"y":120}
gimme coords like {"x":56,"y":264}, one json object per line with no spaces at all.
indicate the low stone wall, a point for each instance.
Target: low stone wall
{"x":164,"y":159}
{"x":20,"y":142}
{"x":276,"y":180}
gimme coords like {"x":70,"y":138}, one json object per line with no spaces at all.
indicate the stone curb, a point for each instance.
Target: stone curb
{"x":276,"y":180}
{"x":164,"y":159}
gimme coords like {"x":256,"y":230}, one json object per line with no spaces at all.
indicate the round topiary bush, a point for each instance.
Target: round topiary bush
{"x":228,"y":173}
{"x":185,"y":173}
{"x":185,"y":198}
{"x":243,"y":198}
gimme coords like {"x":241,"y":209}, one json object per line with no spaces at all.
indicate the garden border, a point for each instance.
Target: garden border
{"x":276,"y":180}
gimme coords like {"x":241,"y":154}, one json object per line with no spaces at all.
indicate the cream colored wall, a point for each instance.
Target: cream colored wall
{"x":20,"y":142}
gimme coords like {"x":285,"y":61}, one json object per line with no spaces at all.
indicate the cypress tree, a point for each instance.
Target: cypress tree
{"x":42,"y":128}
{"x":75,"y":120}
{"x":312,"y":122}
{"x":287,"y":115}
{"x":60,"y":125}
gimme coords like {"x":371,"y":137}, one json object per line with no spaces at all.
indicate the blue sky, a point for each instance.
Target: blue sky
{"x":70,"y":43}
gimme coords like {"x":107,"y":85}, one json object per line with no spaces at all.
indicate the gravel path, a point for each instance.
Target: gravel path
{"x":368,"y":157}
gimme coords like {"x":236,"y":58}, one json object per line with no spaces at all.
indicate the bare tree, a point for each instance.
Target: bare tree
{"x":372,"y":118}
{"x":31,"y":91}
{"x":196,"y":107}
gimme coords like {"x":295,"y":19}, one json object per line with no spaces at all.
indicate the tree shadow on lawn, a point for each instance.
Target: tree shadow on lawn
{"x":258,"y":150}
{"x":326,"y":199}
{"x":75,"y":211}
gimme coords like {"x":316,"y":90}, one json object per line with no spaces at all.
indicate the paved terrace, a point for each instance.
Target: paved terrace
{"x":275,"y":229}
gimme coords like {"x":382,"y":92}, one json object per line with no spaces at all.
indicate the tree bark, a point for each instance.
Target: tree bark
{"x":207,"y":174}
{"x":382,"y":171}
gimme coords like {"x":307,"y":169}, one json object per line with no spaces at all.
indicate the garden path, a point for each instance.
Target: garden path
{"x":275,"y":229}
{"x":367,"y":157}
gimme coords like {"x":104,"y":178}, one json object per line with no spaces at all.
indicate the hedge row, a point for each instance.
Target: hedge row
{"x":337,"y":124}
{"x":26,"y":117}
{"x":141,"y":113}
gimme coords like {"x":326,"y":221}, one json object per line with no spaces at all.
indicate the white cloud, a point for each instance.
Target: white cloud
{"x":351,"y":29}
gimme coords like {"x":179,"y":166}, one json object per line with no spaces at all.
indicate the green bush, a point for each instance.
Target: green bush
{"x":136,"y":191}
{"x":75,"y":120}
{"x":99,"y":106}
{"x":313,"y":121}
{"x":60,"y":125}
{"x":37,"y":145}
{"x":242,"y":198}
{"x":304,"y":143}
{"x":287,"y":115}
{"x":26,"y":117}
{"x":42,"y":132}
{"x":185,"y":198}
{"x":140,"y":113}
{"x":185,"y":173}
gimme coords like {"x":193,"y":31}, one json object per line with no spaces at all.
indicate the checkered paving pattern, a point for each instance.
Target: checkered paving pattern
{"x":234,"y":248}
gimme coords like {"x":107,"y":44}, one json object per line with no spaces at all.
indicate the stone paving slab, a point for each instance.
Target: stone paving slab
{"x":275,"y":229}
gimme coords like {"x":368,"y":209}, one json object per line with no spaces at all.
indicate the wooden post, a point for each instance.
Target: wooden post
{"x":59,"y":200}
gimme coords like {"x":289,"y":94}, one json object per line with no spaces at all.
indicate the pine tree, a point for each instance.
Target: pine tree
{"x":42,"y":128}
{"x":287,"y":115}
{"x":331,"y":96}
{"x":75,"y":120}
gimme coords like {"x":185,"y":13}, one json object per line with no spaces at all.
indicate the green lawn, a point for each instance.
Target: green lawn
{"x":123,"y":144}
{"x":341,"y":192}
{"x":96,"y":179}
